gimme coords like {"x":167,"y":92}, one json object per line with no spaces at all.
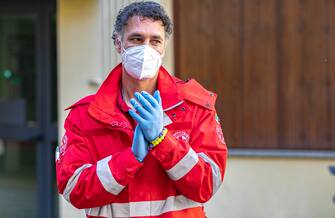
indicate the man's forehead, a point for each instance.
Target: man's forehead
{"x":144,"y":25}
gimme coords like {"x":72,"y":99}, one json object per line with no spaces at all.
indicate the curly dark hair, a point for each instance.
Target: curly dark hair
{"x":146,"y":9}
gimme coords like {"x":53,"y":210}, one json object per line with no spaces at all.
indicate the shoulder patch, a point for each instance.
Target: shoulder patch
{"x":196,"y":93}
{"x":84,"y":100}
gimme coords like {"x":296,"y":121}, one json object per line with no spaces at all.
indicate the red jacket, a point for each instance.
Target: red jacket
{"x":97,"y":170}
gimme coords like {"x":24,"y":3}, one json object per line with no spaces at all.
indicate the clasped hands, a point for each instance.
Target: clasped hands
{"x":149,"y":117}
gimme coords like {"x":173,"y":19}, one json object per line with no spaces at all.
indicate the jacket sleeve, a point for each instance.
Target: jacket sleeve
{"x":86,"y":183}
{"x":196,"y":167}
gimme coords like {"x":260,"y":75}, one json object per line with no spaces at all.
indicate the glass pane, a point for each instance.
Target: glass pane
{"x":17,"y":70}
{"x":18,"y":195}
{"x":18,"y":106}
{"x":18,"y":190}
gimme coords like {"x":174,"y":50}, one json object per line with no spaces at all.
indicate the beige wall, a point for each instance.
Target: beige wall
{"x":276,"y":188}
{"x":254,"y":187}
{"x":78,"y":49}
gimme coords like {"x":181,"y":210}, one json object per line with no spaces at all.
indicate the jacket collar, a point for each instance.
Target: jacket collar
{"x":109,"y":107}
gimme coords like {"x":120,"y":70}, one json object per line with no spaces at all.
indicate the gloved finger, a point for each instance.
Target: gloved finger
{"x":136,"y":117}
{"x":150,"y":99}
{"x":139,"y":146}
{"x":140,"y":132}
{"x":143,"y":113}
{"x":157,"y":96}
{"x":144,"y":102}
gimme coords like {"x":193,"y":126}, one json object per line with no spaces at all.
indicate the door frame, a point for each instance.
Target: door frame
{"x":45,"y":133}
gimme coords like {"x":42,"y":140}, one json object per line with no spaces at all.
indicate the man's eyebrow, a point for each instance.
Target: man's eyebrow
{"x":136,"y":35}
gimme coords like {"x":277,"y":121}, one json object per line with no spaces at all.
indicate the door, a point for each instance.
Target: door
{"x":28,"y":110}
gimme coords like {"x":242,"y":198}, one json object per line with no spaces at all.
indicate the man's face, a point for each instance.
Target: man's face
{"x":143,"y":31}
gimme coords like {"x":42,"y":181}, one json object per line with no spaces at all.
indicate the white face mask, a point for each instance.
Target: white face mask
{"x":141,"y":62}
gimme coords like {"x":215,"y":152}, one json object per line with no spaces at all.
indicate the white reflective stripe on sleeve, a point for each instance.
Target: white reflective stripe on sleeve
{"x":106,"y":177}
{"x":144,"y":208}
{"x":184,"y":165}
{"x":71,"y":183}
{"x":216,"y":173}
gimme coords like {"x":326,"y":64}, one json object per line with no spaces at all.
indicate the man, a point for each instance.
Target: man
{"x":146,"y":144}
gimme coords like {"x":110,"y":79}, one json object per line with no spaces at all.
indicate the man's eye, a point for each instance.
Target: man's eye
{"x":135,"y":39}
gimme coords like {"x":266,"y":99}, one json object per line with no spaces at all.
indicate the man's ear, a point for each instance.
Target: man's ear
{"x":117,"y":44}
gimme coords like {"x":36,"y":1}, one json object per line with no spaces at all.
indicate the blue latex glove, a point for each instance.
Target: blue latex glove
{"x":150,"y":113}
{"x":140,"y":145}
